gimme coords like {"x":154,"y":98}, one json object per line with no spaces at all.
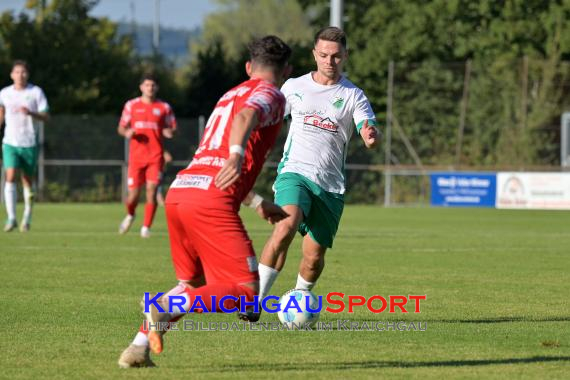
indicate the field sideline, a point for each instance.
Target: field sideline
{"x":496,"y":282}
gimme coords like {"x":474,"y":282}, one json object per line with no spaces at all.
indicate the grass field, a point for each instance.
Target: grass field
{"x":497,"y":286}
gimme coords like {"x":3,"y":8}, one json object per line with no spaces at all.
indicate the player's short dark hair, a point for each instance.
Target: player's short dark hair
{"x":269,"y":51}
{"x":148,"y":76}
{"x":21,"y":62}
{"x":331,"y":33}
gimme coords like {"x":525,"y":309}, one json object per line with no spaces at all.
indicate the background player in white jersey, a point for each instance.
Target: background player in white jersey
{"x":323,"y":106}
{"x":23,"y":106}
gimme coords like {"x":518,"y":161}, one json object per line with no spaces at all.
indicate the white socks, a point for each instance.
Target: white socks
{"x":10,"y":198}
{"x":267,"y":276}
{"x":303,"y":284}
{"x":28,"y":202}
{"x":141,"y":339}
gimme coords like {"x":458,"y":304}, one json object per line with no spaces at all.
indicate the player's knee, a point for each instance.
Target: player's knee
{"x":285,"y":230}
{"x":192,"y":284}
{"x":10,"y":176}
{"x":133,"y":194}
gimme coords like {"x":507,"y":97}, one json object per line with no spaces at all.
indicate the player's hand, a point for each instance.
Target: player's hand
{"x":271,"y":212}
{"x":230,"y":172}
{"x":167,"y":133}
{"x":129,"y":133}
{"x":369,"y":134}
{"x":25,"y":110}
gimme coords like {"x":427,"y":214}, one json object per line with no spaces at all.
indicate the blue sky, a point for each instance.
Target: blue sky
{"x":173,"y":13}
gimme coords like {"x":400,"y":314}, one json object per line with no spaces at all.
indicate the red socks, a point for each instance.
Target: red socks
{"x":131,"y":207}
{"x":149,"y":211}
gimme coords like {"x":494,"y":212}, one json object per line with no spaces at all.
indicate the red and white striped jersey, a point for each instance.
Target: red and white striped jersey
{"x":269,"y":102}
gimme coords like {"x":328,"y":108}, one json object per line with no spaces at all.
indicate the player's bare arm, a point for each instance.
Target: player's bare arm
{"x":265,"y":209}
{"x":1,"y":115}
{"x":42,"y":116}
{"x":242,"y":126}
{"x":125,"y":132}
{"x":369,"y":135}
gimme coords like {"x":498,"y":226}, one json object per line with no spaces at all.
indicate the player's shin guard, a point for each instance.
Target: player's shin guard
{"x":196,"y":300}
{"x":10,"y":198}
{"x":177,"y":290}
{"x":149,"y":211}
{"x":28,"y":204}
{"x":267,"y":277}
{"x":131,"y":207}
{"x":154,"y":335}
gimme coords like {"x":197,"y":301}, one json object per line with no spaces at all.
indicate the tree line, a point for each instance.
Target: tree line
{"x":476,"y":83}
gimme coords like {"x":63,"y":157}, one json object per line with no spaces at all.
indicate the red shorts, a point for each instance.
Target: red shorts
{"x":207,"y":238}
{"x":144,"y":172}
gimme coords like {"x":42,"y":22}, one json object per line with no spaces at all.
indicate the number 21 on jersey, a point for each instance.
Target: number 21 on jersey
{"x":216,"y":128}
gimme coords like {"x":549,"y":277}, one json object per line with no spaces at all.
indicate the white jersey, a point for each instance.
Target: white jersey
{"x":21,"y":129}
{"x":323,"y":118}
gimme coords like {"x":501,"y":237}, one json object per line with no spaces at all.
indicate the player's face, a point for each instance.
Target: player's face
{"x":19,"y":75}
{"x":149,"y":89}
{"x":330,"y":57}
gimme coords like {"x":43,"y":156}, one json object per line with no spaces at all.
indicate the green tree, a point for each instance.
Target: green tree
{"x":509,"y":119}
{"x":221,"y":55}
{"x":79,"y":61}
{"x":240,"y":20}
{"x":211,"y":75}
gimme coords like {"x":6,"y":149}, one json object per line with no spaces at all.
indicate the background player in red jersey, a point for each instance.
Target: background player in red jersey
{"x":145,"y":121}
{"x":211,"y":251}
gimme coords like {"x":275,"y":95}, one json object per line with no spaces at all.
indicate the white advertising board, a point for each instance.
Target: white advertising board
{"x":533,"y":190}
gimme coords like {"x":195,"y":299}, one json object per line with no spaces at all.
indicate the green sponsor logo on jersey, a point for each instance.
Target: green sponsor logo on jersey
{"x":300,"y":96}
{"x":338,"y":102}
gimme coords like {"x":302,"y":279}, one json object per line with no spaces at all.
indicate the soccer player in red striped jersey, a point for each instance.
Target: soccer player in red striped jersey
{"x":145,"y":121}
{"x":211,"y":251}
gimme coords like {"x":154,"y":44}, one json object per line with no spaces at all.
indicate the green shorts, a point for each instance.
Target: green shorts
{"x":25,"y":159}
{"x":322,"y":210}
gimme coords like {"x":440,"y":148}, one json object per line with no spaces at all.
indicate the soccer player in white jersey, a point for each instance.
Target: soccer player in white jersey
{"x":324,"y":107}
{"x":23,"y":106}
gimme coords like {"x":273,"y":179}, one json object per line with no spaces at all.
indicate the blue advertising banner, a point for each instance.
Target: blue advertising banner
{"x":463,"y":189}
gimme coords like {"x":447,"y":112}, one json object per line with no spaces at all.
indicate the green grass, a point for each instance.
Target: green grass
{"x":497,"y":285}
